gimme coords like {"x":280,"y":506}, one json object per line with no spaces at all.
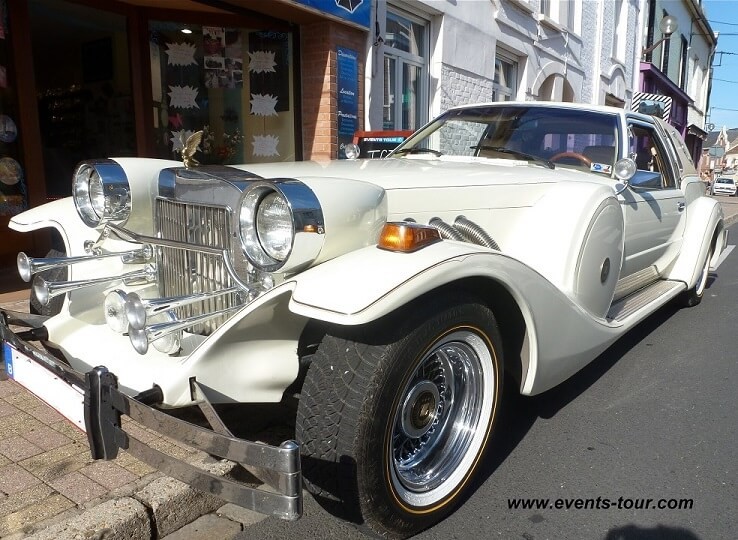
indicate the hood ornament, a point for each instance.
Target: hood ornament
{"x":189,"y":147}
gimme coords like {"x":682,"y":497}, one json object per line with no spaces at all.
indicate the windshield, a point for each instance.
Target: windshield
{"x":547,"y":136}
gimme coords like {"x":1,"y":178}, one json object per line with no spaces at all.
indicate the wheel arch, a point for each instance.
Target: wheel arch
{"x":487,"y":290}
{"x":705,"y":231}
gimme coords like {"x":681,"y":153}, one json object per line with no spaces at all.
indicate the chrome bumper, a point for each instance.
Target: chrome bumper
{"x":104,"y":405}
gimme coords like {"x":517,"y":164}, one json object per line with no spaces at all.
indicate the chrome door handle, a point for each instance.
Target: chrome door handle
{"x":680,"y":206}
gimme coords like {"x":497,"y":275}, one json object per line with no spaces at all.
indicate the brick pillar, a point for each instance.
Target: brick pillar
{"x":319,"y":93}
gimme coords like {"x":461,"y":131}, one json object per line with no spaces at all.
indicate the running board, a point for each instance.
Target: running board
{"x":661,"y":291}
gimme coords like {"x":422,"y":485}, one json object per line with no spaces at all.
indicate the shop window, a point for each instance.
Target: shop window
{"x":235,"y":84}
{"x":13,"y":191}
{"x":82,"y":72}
{"x":405,"y":71}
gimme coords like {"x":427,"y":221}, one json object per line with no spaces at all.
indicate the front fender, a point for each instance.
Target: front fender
{"x":60,"y":215}
{"x":367,"y":284}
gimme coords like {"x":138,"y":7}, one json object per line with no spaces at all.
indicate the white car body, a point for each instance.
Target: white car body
{"x":583,"y":257}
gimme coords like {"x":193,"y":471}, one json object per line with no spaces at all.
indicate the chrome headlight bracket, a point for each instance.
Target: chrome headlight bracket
{"x":275,"y":213}
{"x":101,"y":192}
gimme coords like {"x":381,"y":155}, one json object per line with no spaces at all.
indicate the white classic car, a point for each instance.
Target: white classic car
{"x":389,"y":295}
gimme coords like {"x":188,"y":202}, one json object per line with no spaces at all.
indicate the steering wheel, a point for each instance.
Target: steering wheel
{"x":561,"y":155}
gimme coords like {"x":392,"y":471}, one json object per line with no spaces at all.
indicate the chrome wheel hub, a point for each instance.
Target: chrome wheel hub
{"x":420,"y":409}
{"x":440,"y":422}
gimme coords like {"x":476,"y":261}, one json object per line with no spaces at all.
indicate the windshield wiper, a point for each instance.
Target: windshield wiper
{"x":523,"y":155}
{"x":417,"y":150}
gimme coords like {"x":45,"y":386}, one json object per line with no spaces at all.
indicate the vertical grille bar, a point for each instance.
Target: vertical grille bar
{"x":183,"y":272}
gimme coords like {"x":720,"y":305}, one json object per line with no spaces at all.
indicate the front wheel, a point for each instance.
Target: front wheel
{"x":394,"y":418}
{"x":693,"y":296}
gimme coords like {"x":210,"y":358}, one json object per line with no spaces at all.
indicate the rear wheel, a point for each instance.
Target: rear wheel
{"x":395,"y":417}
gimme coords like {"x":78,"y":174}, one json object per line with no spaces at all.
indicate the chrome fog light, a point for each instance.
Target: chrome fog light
{"x":169,"y":344}
{"x":115,"y":311}
{"x":352,"y":151}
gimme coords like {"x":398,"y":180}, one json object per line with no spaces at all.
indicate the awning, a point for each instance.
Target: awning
{"x":692,"y":129}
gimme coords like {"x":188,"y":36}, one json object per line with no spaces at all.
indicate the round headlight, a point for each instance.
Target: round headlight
{"x":266,"y":227}
{"x":274,"y":226}
{"x":281,"y":225}
{"x":101,"y":192}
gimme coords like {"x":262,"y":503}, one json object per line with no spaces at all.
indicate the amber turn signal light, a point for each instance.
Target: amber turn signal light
{"x":407,"y":237}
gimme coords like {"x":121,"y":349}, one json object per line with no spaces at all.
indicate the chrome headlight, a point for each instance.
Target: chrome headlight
{"x":101,"y":192}
{"x":281,"y":225}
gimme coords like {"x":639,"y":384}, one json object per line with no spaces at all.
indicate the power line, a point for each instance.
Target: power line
{"x":722,"y":22}
{"x":724,"y":80}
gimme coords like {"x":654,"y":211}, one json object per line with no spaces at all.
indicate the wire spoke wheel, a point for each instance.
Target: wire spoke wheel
{"x":394,"y":417}
{"x":439,"y":414}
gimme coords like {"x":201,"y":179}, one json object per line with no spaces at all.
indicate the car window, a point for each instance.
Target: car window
{"x":568,"y":137}
{"x":646,"y":149}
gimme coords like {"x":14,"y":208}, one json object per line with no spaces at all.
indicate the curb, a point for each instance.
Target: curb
{"x":160,"y":508}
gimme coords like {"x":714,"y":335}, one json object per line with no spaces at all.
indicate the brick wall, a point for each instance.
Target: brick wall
{"x":318,"y":45}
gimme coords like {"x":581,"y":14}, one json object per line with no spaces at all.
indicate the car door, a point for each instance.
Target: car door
{"x":654,"y":207}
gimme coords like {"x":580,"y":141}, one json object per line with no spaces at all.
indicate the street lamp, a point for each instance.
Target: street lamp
{"x":668,"y":26}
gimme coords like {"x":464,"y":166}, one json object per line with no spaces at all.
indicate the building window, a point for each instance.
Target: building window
{"x":405,"y":71}
{"x":235,"y":84}
{"x":619,"y":31}
{"x":545,"y":7}
{"x":683,"y":64}
{"x":505,"y":86}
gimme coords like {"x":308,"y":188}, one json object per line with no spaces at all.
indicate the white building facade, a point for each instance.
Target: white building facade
{"x":424,"y":56}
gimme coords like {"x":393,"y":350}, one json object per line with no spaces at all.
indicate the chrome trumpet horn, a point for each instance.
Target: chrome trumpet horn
{"x":171,"y":329}
{"x":45,"y":290}
{"x":27,"y":266}
{"x":140,"y":310}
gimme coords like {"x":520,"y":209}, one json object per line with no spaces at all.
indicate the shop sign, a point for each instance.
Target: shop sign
{"x":348,"y":97}
{"x":356,"y":11}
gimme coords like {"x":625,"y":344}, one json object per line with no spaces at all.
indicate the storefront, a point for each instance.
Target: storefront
{"x":99,"y":78}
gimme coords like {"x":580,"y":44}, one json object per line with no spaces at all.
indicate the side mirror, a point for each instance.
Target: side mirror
{"x":624,"y":170}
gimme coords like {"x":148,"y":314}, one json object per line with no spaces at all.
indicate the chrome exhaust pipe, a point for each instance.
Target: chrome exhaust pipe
{"x":27,"y":266}
{"x":139,"y":311}
{"x":45,"y":290}
{"x":172,"y":330}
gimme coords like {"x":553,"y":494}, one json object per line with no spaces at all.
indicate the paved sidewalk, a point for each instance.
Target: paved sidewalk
{"x":50,"y":489}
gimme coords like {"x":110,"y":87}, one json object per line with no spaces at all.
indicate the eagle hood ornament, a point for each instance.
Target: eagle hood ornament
{"x":189,"y":147}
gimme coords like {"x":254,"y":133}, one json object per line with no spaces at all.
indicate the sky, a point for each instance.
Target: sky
{"x":723,"y":17}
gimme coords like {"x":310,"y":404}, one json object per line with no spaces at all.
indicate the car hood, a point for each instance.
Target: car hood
{"x":414,"y":173}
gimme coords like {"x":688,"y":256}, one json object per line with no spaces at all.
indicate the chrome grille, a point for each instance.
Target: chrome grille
{"x":182,"y":272}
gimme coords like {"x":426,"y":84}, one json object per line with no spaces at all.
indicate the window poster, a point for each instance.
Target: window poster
{"x":223,"y":57}
{"x":269,"y":75}
{"x":348,"y":97}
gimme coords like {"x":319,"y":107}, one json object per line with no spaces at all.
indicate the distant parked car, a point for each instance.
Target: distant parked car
{"x":724,"y":186}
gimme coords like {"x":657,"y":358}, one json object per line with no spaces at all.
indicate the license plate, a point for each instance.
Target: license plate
{"x":60,"y":395}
